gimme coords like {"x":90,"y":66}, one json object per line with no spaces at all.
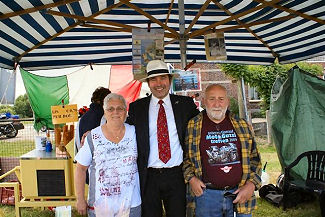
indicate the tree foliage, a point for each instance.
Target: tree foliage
{"x":6,"y":108}
{"x":263,"y":77}
{"x":233,"y":106}
{"x":314,"y":69}
{"x":22,"y":106}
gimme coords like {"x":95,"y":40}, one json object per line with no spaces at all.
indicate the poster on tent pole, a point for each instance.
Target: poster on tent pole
{"x":189,"y":80}
{"x":146,"y":46}
{"x":215,"y":47}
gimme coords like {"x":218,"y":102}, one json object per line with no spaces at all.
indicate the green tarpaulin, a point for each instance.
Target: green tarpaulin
{"x":298,"y":117}
{"x":44,"y":92}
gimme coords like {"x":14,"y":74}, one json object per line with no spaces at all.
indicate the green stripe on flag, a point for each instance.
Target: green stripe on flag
{"x":44,"y":92}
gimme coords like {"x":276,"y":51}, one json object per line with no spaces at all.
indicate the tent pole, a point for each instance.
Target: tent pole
{"x":4,"y":99}
{"x":244,"y":99}
{"x":182,"y":40}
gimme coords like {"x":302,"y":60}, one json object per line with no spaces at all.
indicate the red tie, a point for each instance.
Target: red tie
{"x":162,"y":135}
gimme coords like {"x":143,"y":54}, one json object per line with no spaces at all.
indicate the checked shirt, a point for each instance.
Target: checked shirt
{"x":251,"y":161}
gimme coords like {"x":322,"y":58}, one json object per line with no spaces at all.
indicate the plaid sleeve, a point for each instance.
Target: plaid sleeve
{"x":192,"y":159}
{"x":188,"y":165}
{"x":251,"y":160}
{"x":255,"y":165}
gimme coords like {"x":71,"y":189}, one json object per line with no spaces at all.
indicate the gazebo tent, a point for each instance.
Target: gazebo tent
{"x":63,"y":33}
{"x":298,"y":117}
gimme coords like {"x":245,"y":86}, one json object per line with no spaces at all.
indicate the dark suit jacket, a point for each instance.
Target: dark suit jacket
{"x":91,"y":119}
{"x":184,"y":109}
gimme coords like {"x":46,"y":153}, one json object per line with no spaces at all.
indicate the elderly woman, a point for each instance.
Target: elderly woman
{"x":110,"y":156}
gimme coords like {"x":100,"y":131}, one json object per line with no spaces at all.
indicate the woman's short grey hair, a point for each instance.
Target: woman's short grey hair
{"x":113,"y":96}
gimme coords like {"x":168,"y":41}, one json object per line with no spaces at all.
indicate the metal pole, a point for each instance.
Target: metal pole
{"x":182,"y":40}
{"x":240,"y":100}
{"x":244,"y":98}
{"x":268,"y":127}
{"x":4,"y":100}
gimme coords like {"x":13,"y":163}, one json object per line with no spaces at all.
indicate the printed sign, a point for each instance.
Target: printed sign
{"x":64,"y":114}
{"x":189,"y":80}
{"x":215,"y":47}
{"x":146,"y":46}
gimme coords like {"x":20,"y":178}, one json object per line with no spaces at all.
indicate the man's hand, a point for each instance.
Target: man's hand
{"x":83,"y":138}
{"x":244,"y":193}
{"x":81,"y":206}
{"x":197,"y":186}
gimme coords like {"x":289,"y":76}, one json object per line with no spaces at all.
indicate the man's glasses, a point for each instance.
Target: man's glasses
{"x":118,"y":109}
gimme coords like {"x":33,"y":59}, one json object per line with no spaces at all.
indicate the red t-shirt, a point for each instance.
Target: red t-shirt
{"x":220,"y":153}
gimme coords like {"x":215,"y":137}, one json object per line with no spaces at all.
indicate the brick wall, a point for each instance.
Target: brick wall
{"x":210,"y":73}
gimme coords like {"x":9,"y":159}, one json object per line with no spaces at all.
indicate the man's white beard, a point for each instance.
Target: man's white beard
{"x":216,"y":115}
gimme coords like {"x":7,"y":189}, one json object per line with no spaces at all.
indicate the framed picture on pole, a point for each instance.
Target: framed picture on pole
{"x":215,"y":47}
{"x":189,"y":80}
{"x":146,"y":46}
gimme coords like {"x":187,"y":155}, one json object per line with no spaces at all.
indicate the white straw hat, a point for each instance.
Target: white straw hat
{"x":156,"y":68}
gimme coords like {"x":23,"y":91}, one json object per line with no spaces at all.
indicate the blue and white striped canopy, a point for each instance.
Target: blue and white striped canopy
{"x":46,"y":34}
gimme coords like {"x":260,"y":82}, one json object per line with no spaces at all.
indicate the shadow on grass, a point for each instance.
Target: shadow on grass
{"x":9,"y":211}
{"x":265,"y":209}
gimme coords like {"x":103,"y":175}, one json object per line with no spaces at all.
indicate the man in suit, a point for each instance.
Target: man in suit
{"x":160,"y":121}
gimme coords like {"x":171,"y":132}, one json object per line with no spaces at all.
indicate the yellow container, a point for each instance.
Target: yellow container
{"x":43,"y":174}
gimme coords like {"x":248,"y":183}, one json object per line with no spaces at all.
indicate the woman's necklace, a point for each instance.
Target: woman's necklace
{"x":118,"y":135}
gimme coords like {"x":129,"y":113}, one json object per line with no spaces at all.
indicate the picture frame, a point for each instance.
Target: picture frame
{"x":189,"y":80}
{"x":146,"y":46}
{"x":215,"y":47}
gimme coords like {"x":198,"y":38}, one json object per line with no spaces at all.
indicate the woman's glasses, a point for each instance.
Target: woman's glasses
{"x":118,"y":109}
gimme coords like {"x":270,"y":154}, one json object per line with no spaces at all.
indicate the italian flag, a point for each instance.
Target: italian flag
{"x":49,"y":89}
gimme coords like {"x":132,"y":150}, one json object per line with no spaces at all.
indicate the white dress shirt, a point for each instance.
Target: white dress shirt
{"x":175,"y":147}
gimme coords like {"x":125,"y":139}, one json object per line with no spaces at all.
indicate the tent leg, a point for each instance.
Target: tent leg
{"x":242,"y":100}
{"x":182,"y":41}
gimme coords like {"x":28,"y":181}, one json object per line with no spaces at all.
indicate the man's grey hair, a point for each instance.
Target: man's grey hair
{"x":114,"y":96}
{"x":213,"y":86}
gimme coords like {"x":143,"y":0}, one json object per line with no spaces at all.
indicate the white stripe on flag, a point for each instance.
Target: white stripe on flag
{"x":82,"y":83}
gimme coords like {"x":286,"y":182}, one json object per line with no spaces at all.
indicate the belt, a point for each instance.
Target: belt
{"x":165,"y":169}
{"x":214,"y":187}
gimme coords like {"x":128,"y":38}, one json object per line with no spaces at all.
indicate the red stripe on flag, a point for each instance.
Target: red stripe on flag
{"x":122,"y":82}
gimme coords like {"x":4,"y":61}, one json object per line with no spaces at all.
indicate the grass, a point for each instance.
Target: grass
{"x":265,"y":209}
{"x":16,"y":148}
{"x":269,"y":155}
{"x":9,"y":211}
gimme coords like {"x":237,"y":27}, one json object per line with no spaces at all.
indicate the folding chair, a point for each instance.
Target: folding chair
{"x":315,"y":180}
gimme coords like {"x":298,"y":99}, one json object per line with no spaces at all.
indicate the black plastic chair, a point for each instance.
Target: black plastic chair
{"x":315,"y":181}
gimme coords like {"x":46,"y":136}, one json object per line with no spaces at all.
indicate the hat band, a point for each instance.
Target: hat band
{"x":158,"y":71}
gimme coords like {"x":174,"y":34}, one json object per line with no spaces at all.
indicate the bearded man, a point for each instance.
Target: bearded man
{"x":221,"y":159}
